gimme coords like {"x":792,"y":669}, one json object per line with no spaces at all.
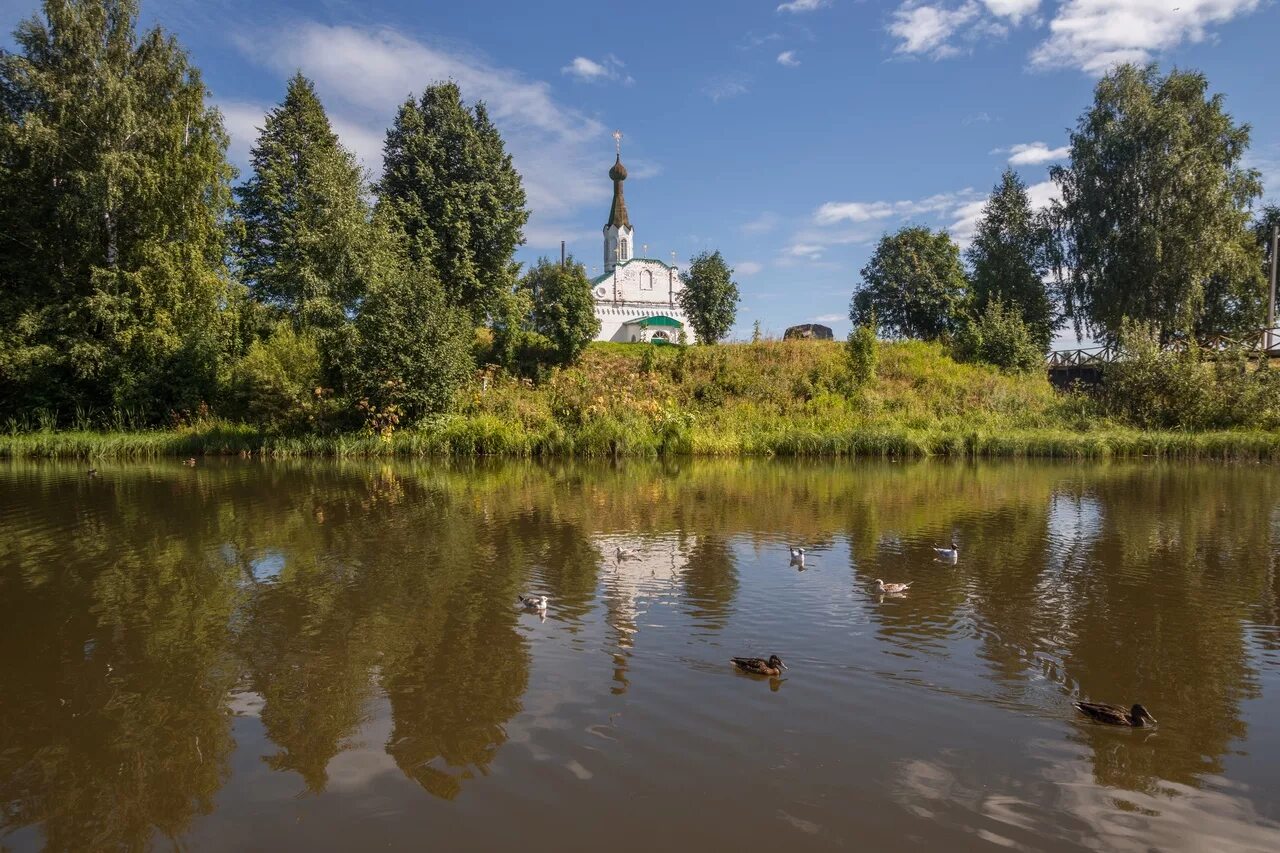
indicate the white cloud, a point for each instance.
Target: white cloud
{"x":829,"y":318}
{"x":788,"y":59}
{"x":364,"y":74}
{"x":809,"y":251}
{"x":834,"y":212}
{"x":724,"y":86}
{"x":748,"y":267}
{"x":1094,"y":35}
{"x":1033,"y":153}
{"x":590,"y":71}
{"x":796,"y":6}
{"x":965,"y":218}
{"x":1014,"y":10}
{"x":928,"y":30}
{"x":762,"y":224}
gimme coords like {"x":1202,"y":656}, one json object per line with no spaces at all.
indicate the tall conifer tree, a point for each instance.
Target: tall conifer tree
{"x":113,"y":193}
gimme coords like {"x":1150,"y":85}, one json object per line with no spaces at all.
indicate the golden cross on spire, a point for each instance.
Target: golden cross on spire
{"x":617,"y":141}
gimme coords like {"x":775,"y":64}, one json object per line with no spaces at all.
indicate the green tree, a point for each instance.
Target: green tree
{"x":863,"y":352}
{"x":1155,"y":203}
{"x":913,"y":286}
{"x":709,"y":297}
{"x":412,"y":348}
{"x":457,"y":200}
{"x":113,"y":193}
{"x":305,"y":242}
{"x":1000,"y":336}
{"x":1008,"y":258}
{"x":564,"y":311}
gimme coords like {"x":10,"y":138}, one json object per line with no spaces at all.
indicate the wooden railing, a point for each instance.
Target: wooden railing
{"x":1263,"y":341}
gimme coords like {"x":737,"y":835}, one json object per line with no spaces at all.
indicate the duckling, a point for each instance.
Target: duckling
{"x":625,"y":553}
{"x":534,"y":602}
{"x":947,"y":555}
{"x":1115,"y":715}
{"x":881,"y":586}
{"x":772,"y":667}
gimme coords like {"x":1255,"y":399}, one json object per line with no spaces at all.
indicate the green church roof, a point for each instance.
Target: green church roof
{"x":656,"y":320}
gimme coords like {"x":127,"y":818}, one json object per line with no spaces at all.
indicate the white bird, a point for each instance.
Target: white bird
{"x":625,"y":553}
{"x":796,"y":553}
{"x":947,"y":555}
{"x":534,"y":602}
{"x":892,"y":587}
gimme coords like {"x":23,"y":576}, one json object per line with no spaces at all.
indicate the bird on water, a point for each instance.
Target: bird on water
{"x":1115,"y":715}
{"x":534,"y":602}
{"x":759,"y":666}
{"x":881,"y":586}
{"x":947,"y":555}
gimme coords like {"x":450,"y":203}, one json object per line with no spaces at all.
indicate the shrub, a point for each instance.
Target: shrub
{"x":1000,"y":337}
{"x":863,"y":354}
{"x":277,"y":382}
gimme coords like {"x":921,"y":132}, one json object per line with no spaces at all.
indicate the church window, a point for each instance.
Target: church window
{"x":646,"y":280}
{"x":622,"y":249}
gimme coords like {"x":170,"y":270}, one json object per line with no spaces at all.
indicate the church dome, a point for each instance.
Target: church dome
{"x":619,"y":171}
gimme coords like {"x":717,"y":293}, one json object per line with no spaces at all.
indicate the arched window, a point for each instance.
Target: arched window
{"x":646,"y":280}
{"x":622,"y":249}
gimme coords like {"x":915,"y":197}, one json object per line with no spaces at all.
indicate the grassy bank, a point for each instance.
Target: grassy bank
{"x":770,"y":398}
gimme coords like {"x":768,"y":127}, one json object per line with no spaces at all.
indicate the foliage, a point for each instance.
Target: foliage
{"x":863,"y":353}
{"x":278,"y":381}
{"x":412,"y":349}
{"x":913,"y":286}
{"x":1156,"y":387}
{"x":304,"y":241}
{"x":563,"y":309}
{"x":999,"y":336}
{"x":1155,"y":203}
{"x":113,"y":191}
{"x":1009,"y":259}
{"x":710,"y":296}
{"x":457,"y":200}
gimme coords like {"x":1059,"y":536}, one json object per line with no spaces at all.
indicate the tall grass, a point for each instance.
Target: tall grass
{"x":769,"y":398}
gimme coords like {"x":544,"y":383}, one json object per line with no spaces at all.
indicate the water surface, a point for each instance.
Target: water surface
{"x":328,"y":656}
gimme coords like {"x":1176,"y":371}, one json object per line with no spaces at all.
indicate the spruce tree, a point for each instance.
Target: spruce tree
{"x":1008,"y":257}
{"x":454,"y":195}
{"x":305,"y":244}
{"x":113,"y":193}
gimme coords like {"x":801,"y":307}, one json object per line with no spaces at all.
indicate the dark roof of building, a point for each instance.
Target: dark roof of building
{"x":618,"y":210}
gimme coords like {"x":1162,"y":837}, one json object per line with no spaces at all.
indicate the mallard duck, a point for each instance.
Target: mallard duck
{"x":191,"y":462}
{"x":625,"y":553}
{"x":881,"y":586}
{"x":948,"y":555}
{"x":1115,"y":715}
{"x":772,"y":667}
{"x":533,"y":602}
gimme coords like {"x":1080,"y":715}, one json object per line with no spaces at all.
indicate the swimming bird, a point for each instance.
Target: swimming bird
{"x":534,"y":602}
{"x":1115,"y":715}
{"x":92,"y":472}
{"x":191,"y":462}
{"x":881,"y":586}
{"x":796,"y":553}
{"x":947,"y":555}
{"x":772,"y":667}
{"x":625,"y":553}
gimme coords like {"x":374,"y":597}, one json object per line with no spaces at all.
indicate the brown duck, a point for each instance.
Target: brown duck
{"x":1116,"y":715}
{"x":772,"y":667}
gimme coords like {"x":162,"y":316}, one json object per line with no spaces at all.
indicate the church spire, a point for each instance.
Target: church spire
{"x":618,"y":234}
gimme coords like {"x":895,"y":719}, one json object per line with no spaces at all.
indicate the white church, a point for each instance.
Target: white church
{"x":637,"y":299}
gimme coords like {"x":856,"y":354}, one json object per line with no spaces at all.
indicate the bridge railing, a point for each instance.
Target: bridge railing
{"x":1262,"y":341}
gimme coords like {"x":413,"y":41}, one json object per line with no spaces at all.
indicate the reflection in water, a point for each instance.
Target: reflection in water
{"x":357,"y":607}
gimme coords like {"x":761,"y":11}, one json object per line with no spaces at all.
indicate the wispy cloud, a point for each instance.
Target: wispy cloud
{"x":1033,"y":153}
{"x":762,"y":224}
{"x":965,"y":217}
{"x":977,"y":118}
{"x":797,"y":6}
{"x":834,"y":212}
{"x":591,"y":71}
{"x":724,"y":86}
{"x":927,"y":30}
{"x":788,"y":59}
{"x":755,"y":39}
{"x":746,"y":268}
{"x":364,"y":73}
{"x":829,"y":318}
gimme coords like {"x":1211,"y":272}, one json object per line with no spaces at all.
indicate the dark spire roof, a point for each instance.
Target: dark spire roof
{"x":618,"y":210}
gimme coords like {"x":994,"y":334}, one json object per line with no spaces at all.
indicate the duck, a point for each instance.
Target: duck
{"x":772,"y":667}
{"x":881,"y":586}
{"x":947,"y":555}
{"x":625,"y":553}
{"x":534,"y":602}
{"x":1115,"y":715}
{"x":92,"y":472}
{"x":796,"y":553}
{"x":191,"y":462}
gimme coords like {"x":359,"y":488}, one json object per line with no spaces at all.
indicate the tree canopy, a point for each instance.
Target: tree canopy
{"x":1155,"y":203}
{"x":710,"y":296}
{"x":564,"y":311}
{"x":913,"y":286}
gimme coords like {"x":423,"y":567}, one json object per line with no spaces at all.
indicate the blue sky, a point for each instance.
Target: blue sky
{"x":788,"y":136}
